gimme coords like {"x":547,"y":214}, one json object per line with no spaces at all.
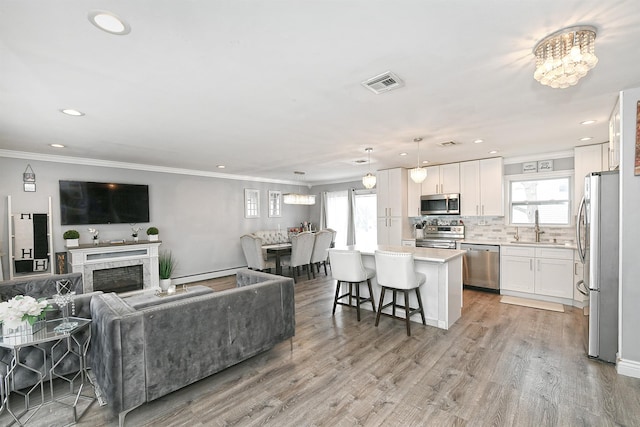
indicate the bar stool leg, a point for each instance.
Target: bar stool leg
{"x":424,"y":322}
{"x":335,"y":299}
{"x":358,"y":301}
{"x":406,"y":310}
{"x":393,"y":307}
{"x":380,"y":305}
{"x":373,"y":303}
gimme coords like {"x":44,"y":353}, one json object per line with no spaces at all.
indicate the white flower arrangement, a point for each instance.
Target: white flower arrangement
{"x":95,"y":233}
{"x":22,"y":308}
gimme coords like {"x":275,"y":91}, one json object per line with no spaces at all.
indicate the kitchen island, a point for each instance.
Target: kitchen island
{"x":442,"y":292}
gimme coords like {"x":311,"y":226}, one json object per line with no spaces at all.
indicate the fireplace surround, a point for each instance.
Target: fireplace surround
{"x":86,"y":259}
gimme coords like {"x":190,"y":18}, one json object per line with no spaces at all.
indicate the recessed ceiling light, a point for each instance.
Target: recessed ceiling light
{"x":493,"y":152}
{"x":57,"y":145}
{"x":478,"y":141}
{"x":403,"y":154}
{"x":588,"y":122}
{"x":586,"y":138}
{"x":221,"y":166}
{"x":109,"y":22}
{"x":72,"y":112}
{"x":425,"y":161}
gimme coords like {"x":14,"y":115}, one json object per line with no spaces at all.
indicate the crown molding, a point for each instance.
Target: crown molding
{"x":139,"y":167}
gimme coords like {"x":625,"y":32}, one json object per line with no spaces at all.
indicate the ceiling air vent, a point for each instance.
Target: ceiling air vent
{"x":448,"y":144}
{"x":383,"y":83}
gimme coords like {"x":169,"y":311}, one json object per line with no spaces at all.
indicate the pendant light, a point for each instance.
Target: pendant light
{"x":369,"y":180}
{"x":418,"y":174}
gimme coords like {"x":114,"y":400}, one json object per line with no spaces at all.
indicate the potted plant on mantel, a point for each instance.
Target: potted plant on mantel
{"x":72,"y":238}
{"x":152,"y":232}
{"x":166,"y":263}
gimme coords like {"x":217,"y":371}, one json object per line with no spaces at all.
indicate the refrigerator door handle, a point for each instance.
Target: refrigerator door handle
{"x":583,"y":290}
{"x":581,"y":252}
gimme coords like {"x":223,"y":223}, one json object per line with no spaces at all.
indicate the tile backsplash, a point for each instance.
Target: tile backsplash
{"x":495,"y":229}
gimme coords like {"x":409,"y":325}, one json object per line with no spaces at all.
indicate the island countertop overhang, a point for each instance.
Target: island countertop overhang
{"x":419,"y":254}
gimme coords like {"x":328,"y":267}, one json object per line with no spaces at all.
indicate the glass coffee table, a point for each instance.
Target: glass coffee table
{"x":55,"y":348}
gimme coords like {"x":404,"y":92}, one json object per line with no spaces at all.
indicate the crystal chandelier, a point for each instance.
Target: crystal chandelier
{"x":418,"y":174}
{"x":562,"y":58}
{"x":369,"y":180}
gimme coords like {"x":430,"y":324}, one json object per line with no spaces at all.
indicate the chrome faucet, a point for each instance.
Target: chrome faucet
{"x":536,"y":229}
{"x":516,"y":236}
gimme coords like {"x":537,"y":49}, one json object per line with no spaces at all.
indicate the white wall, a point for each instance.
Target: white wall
{"x":200,"y":218}
{"x":629,"y":239}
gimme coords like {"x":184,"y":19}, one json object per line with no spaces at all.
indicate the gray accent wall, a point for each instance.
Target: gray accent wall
{"x":629,"y":236}
{"x":200,"y":218}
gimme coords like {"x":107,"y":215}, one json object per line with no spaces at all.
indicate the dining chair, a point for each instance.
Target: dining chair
{"x":396,"y":272}
{"x":333,"y":236}
{"x":347,"y":268}
{"x":252,"y":248}
{"x":320,"y":247}
{"x":301,"y":249}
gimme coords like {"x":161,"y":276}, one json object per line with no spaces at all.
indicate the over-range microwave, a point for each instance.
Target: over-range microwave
{"x":440,"y":204}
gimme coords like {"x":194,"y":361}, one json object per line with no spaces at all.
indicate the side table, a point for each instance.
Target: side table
{"x":56,"y":347}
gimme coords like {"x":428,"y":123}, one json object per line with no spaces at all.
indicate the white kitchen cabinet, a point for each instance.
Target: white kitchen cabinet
{"x":442,"y":179}
{"x":614,"y":137}
{"x":391,"y":195}
{"x":605,"y":156}
{"x":390,"y":230}
{"x":586,"y":159}
{"x":542,"y":271}
{"x":481,"y":188}
{"x":414,"y":191}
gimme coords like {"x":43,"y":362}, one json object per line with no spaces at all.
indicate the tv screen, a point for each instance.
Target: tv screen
{"x":103,"y":203}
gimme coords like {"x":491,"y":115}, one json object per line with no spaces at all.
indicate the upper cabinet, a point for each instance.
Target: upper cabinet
{"x":390,"y":192}
{"x":442,"y":179}
{"x":586,"y":159}
{"x":481,"y":190}
{"x":414,"y":191}
{"x":392,"y":205}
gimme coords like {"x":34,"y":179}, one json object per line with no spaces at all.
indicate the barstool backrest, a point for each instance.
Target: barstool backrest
{"x":396,"y":270}
{"x":346,"y":265}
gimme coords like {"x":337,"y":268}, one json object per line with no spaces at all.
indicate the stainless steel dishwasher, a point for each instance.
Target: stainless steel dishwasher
{"x":481,"y":266}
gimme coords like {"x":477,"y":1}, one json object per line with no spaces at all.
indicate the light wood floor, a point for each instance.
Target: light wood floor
{"x":498,"y":365}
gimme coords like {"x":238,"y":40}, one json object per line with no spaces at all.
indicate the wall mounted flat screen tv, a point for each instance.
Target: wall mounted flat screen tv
{"x":103,"y":203}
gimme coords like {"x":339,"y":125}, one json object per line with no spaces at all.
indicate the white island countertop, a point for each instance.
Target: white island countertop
{"x":420,"y":254}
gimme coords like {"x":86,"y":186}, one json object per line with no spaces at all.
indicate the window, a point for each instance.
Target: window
{"x":364,"y":217}
{"x":551,"y":197}
{"x":275,"y":204}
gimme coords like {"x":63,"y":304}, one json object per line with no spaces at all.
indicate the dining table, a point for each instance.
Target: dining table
{"x":278,"y":249}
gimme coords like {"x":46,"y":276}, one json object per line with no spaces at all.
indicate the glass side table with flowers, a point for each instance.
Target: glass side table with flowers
{"x":42,"y":347}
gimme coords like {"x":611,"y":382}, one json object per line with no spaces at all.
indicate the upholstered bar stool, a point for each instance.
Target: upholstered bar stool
{"x":396,"y":272}
{"x":346,"y":267}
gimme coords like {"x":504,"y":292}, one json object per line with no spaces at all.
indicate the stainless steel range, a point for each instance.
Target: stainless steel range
{"x":440,"y":236}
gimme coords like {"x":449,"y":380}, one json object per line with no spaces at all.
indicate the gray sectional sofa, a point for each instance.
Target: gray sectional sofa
{"x":142,"y":350}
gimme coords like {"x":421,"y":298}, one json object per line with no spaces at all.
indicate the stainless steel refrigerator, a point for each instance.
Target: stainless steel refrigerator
{"x":597,"y":237}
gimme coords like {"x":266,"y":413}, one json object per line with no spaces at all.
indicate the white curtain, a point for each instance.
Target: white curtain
{"x":336,"y":215}
{"x":351,"y":222}
{"x":323,"y":210}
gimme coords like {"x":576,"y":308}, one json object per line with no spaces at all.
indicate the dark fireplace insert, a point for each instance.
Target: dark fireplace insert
{"x":118,"y":279}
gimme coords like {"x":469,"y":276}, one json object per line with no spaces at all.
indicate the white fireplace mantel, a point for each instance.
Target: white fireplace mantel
{"x":87,"y":258}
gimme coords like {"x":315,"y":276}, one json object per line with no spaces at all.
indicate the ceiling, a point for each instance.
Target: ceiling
{"x":267,"y":88}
